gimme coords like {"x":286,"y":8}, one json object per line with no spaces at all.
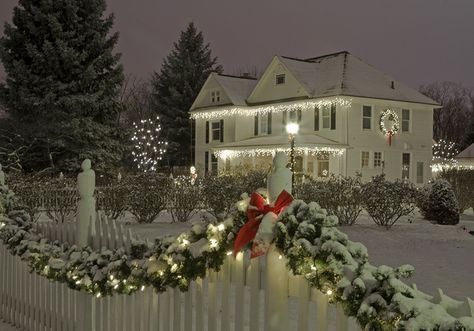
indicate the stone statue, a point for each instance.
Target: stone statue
{"x":280,"y":177}
{"x":2,"y":177}
{"x":86,"y":206}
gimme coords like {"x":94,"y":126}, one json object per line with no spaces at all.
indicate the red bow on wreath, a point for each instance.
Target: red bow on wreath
{"x":255,"y":212}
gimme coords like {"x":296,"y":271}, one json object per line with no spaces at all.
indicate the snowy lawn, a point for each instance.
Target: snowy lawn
{"x":441,"y":254}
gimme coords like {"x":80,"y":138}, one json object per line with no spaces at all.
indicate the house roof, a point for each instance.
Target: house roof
{"x":345,"y":74}
{"x":309,"y":140}
{"x":468,"y":153}
{"x":236,"y":88}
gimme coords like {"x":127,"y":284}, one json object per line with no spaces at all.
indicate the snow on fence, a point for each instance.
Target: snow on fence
{"x":235,"y":298}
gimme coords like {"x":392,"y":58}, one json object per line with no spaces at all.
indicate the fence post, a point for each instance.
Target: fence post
{"x":276,"y":292}
{"x":85,"y":304}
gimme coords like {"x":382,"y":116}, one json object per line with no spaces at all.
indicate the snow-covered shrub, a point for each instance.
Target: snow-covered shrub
{"x":438,"y":203}
{"x":250,"y":180}
{"x":462,"y":183}
{"x":341,"y":196}
{"x":147,"y":196}
{"x":387,"y":201}
{"x":30,"y":195}
{"x":60,"y":198}
{"x":184,"y":199}
{"x":112,"y":199}
{"x":221,"y":193}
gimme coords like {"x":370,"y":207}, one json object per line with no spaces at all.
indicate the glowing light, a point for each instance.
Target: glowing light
{"x":313,"y":267}
{"x":270,"y":151}
{"x":275,"y":108}
{"x":444,"y":153}
{"x":329,"y":292}
{"x":142,"y":288}
{"x":185,"y":242}
{"x":280,"y":257}
{"x":221,"y":227}
{"x":2,"y":225}
{"x":148,"y":148}
{"x":229,"y":253}
{"x":174,"y":268}
{"x":98,"y":295}
{"x":292,"y":128}
{"x":116,"y":287}
{"x":161,"y":273}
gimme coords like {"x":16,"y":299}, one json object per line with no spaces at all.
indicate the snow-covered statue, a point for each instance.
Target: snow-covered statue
{"x":2,"y":176}
{"x":280,"y":177}
{"x":262,"y":214}
{"x":86,"y":206}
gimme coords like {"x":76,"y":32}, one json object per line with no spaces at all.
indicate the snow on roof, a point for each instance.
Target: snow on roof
{"x":236,"y":88}
{"x":345,"y":74}
{"x":468,"y":153}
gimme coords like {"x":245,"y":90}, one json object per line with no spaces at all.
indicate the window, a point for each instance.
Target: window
{"x":406,"y":166}
{"x":323,"y":166}
{"x":227,"y":164}
{"x":206,"y":162}
{"x":215,"y":96}
{"x":419,"y":172}
{"x":364,"y":159}
{"x":291,"y":116}
{"x":280,"y":79}
{"x":216,"y":130}
{"x":378,"y":160}
{"x":263,"y":124}
{"x":213,"y":163}
{"x":405,"y":120}
{"x":366,"y":117}
{"x":326,"y":117}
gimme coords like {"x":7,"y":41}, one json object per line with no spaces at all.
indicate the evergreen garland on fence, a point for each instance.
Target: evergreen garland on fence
{"x":304,"y":234}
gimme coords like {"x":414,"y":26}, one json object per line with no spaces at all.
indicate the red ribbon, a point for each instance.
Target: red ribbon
{"x":255,"y":212}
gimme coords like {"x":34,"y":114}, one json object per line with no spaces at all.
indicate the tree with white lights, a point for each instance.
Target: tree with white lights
{"x":148,"y":149}
{"x":444,"y":153}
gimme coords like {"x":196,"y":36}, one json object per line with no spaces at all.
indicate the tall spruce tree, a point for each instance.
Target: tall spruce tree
{"x":62,"y":82}
{"x":182,"y":75}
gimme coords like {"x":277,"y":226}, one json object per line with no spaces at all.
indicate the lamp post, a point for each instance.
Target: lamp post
{"x":292,"y":129}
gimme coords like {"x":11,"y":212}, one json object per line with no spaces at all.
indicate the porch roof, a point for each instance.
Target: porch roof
{"x":281,"y":141}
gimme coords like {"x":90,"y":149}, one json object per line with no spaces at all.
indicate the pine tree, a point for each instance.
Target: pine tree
{"x":63,"y":81}
{"x":182,"y":75}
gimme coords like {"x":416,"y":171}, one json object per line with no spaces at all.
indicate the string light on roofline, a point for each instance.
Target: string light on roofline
{"x":252,"y":152}
{"x":275,"y":108}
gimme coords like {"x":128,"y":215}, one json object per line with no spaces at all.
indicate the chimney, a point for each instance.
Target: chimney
{"x":393,"y":85}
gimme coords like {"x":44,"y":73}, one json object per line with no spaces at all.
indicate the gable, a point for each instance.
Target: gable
{"x":203,"y":99}
{"x":267,"y":90}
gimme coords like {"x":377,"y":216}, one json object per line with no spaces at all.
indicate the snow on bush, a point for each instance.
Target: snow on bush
{"x":341,"y":196}
{"x":221,"y":193}
{"x":387,"y":201}
{"x":437,"y":202}
{"x":462,"y":183}
{"x":184,"y":199}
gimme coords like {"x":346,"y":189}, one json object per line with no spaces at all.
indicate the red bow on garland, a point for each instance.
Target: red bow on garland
{"x":255,"y":212}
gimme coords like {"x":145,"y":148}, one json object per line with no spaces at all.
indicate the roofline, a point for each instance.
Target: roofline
{"x":250,"y":104}
{"x":327,"y":55}
{"x":294,"y":58}
{"x":234,"y":76}
{"x":210,"y":107}
{"x":398,"y":100}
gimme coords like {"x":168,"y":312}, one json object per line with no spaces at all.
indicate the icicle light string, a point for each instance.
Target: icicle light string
{"x":252,"y":152}
{"x":278,"y":108}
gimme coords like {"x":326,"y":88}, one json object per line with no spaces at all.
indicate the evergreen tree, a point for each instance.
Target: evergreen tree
{"x":182,"y":75}
{"x":63,"y":81}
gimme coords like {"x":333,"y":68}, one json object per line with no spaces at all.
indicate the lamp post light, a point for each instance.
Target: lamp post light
{"x":292,"y":130}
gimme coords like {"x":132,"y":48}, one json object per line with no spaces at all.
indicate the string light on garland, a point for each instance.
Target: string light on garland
{"x":278,"y":108}
{"x":270,"y":151}
{"x":388,"y":115}
{"x":149,"y":149}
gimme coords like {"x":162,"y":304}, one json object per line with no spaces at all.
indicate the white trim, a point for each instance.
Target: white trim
{"x":372,"y":110}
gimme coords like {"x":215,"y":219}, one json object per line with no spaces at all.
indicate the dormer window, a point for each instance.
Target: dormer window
{"x":280,"y":79}
{"x":215,"y":96}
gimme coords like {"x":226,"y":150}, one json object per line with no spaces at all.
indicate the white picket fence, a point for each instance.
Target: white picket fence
{"x":236,"y":298}
{"x":106,"y":233}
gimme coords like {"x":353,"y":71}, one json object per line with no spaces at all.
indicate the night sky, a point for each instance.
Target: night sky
{"x":415,"y":41}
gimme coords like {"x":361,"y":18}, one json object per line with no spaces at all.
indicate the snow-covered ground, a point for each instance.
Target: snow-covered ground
{"x":441,"y":254}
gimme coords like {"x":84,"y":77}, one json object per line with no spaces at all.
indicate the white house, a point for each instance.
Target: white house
{"x":466,"y":157}
{"x":345,"y":108}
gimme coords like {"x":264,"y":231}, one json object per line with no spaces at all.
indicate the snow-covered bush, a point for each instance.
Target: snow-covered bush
{"x":60,"y":198}
{"x":112,"y":199}
{"x":387,"y":201}
{"x":437,"y":202}
{"x":221,"y":193}
{"x":341,"y":196}
{"x":462,"y":183}
{"x":184,"y":199}
{"x":147,"y":196}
